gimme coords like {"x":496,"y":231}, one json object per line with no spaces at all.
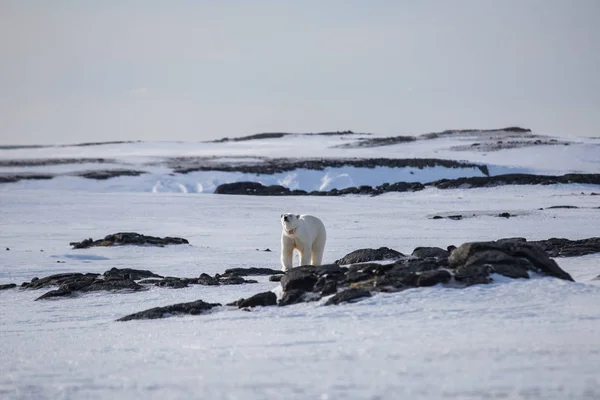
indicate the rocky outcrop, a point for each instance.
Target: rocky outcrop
{"x":258,"y":189}
{"x":126,"y":279}
{"x":130,"y":273}
{"x":270,"y":166}
{"x":253,"y":271}
{"x":193,"y":308}
{"x":377,"y":142}
{"x":514,"y":179}
{"x":261,"y":299}
{"x":560,"y":247}
{"x":109,"y":173}
{"x":128,"y":238}
{"x":426,"y":252}
{"x":8,"y":286}
{"x":366,"y":255}
{"x":348,"y":295}
{"x":11,"y":178}
{"x":466,"y":265}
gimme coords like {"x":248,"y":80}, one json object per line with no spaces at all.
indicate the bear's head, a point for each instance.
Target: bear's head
{"x":290,"y":221}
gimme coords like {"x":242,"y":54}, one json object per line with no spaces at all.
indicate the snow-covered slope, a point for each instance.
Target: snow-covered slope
{"x":530,"y":339}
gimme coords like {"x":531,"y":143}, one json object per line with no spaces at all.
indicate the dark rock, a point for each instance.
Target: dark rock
{"x":194,"y":308}
{"x":292,"y":296}
{"x":174,"y":283}
{"x":330,"y":269}
{"x":207,"y":280}
{"x":234,"y":280}
{"x":348,"y":295}
{"x":540,"y":261}
{"x":11,"y":178}
{"x":252,"y":188}
{"x":7,"y":249}
{"x":365,"y":271}
{"x":8,"y":286}
{"x":432,"y":278}
{"x":426,"y":252}
{"x":256,"y":136}
{"x":261,"y":299}
{"x":556,"y":247}
{"x":278,"y":165}
{"x":59,"y":279}
{"x":275,"y":278}
{"x":455,"y":217}
{"x":128,"y":238}
{"x":55,"y":293}
{"x":301,"y":278}
{"x":91,"y":284}
{"x":511,"y":271}
{"x":553,"y":207}
{"x":111,"y":285}
{"x":509,"y":252}
{"x":366,"y":255}
{"x":253,"y":271}
{"x":130,"y":273}
{"x":515,"y":179}
{"x":473,"y":274}
{"x":329,"y":287}
{"x":107,"y":174}
{"x":504,"y":215}
{"x":377,"y":142}
{"x":150,"y":281}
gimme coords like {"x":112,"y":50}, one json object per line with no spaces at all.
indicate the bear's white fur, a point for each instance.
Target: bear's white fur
{"x":305,"y":233}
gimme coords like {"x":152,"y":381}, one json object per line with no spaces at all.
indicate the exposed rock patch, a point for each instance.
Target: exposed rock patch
{"x":515,"y":179}
{"x":348,"y":295}
{"x":469,"y":264}
{"x":8,"y":286}
{"x":277,"y":135}
{"x":277,"y":165}
{"x":253,"y":271}
{"x":560,"y":247}
{"x":128,"y":238}
{"x":258,"y":189}
{"x":366,"y":255}
{"x":107,"y":174}
{"x":376,"y":142}
{"x":11,"y":178}
{"x":193,"y":308}
{"x":261,"y":299}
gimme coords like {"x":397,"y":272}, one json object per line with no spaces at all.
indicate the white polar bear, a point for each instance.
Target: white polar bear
{"x":305,"y":233}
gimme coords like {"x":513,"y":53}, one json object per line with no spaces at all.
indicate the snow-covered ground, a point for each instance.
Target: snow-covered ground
{"x":531,"y":339}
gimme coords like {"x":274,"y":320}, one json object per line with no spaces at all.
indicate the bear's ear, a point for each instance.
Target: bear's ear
{"x":281,"y":216}
{"x":298,"y":216}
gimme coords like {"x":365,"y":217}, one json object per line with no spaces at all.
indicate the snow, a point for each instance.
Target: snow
{"x":534,"y":339}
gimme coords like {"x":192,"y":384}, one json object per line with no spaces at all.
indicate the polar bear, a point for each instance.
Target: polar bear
{"x":306,"y":233}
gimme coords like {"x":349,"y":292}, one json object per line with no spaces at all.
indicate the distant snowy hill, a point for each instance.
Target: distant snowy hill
{"x":309,"y":162}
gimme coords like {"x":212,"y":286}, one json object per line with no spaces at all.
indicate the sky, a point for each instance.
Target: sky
{"x":82,"y":70}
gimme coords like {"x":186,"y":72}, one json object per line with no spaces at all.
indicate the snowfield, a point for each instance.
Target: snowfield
{"x":529,"y":339}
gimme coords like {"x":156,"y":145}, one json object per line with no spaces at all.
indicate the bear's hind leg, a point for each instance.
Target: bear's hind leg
{"x":305,"y":256}
{"x":317,"y":256}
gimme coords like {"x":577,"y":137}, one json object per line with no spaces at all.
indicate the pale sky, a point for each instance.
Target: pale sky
{"x":82,"y":70}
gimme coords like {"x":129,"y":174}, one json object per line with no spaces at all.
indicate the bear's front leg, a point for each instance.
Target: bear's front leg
{"x":287,"y":254}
